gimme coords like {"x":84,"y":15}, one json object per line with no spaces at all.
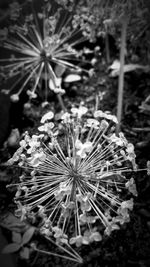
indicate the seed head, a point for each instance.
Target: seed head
{"x":41,"y":43}
{"x":78,"y":180}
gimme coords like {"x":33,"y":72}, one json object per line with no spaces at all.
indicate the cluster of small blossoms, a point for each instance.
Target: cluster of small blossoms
{"x":89,"y":16}
{"x":76,"y":177}
{"x":39,"y":48}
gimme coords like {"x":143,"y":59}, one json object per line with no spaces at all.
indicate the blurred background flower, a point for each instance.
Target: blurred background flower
{"x":38,"y":44}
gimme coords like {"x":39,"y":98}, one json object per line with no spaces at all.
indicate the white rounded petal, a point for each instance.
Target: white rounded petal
{"x":72,"y":78}
{"x":48,"y":116}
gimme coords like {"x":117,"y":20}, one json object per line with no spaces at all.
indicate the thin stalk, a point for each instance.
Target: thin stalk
{"x":107,"y":48}
{"x":60,"y":100}
{"x":121,"y":74}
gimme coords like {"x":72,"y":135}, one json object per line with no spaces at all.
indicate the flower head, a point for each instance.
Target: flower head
{"x":80,"y":179}
{"x":41,"y":43}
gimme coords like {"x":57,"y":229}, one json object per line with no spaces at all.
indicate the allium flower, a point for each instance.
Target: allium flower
{"x":39,"y":48}
{"x":77,"y":181}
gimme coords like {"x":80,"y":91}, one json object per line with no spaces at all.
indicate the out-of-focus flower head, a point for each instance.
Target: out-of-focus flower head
{"x":38,"y":40}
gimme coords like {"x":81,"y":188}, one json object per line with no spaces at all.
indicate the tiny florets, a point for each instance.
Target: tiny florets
{"x":38,"y":42}
{"x":76,"y":181}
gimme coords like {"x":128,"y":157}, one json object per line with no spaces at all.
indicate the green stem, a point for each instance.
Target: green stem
{"x":60,"y":100}
{"x":107,"y":48}
{"x":121,"y":74}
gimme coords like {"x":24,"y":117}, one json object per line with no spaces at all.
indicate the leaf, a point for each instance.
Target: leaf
{"x":14,"y":138}
{"x":13,"y":247}
{"x":16,"y":237}
{"x":11,"y":222}
{"x":59,"y":70}
{"x":97,"y":237}
{"x":25,"y":253}
{"x":53,"y":85}
{"x":72,"y":78}
{"x":28,"y":235}
{"x":115,"y":68}
{"x":115,"y":65}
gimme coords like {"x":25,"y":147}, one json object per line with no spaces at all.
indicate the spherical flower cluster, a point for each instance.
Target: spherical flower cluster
{"x":37,"y":50}
{"x":75,"y":177}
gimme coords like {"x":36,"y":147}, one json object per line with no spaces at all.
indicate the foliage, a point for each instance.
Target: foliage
{"x":99,"y":16}
{"x":20,"y":243}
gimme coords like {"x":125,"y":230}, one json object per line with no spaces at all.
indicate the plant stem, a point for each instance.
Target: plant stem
{"x":107,"y":48}
{"x":121,"y":74}
{"x":61,"y":102}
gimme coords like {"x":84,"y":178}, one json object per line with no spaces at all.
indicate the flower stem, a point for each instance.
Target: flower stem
{"x":61,"y":102}
{"x":121,"y":74}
